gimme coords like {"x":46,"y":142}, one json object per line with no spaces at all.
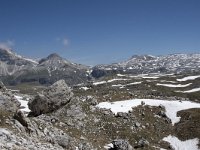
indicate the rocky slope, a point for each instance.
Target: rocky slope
{"x":174,"y":63}
{"x":15,"y":69}
{"x":65,"y":118}
{"x":10,"y":63}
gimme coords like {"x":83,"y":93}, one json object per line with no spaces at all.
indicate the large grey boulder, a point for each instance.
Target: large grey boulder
{"x":121,"y":144}
{"x":51,"y":99}
{"x":8,"y":103}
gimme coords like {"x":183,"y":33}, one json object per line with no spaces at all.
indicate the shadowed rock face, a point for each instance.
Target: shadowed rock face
{"x":51,"y":99}
{"x":7,"y":100}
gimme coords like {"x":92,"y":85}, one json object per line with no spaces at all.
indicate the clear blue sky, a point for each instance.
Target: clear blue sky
{"x":100,"y":31}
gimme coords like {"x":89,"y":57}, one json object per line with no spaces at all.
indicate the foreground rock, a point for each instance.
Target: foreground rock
{"x":121,"y":144}
{"x":51,"y":99}
{"x":8,"y":102}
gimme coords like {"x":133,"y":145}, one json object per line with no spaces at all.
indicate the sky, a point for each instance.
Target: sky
{"x":100,"y":31}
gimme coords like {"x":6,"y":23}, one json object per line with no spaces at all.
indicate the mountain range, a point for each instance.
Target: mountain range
{"x":144,"y":64}
{"x":15,"y":69}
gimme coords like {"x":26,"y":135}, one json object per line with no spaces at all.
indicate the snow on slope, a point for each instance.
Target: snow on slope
{"x":171,"y":107}
{"x":112,"y":80}
{"x":174,"y":85}
{"x":23,"y":103}
{"x":122,"y":86}
{"x":21,"y":57}
{"x":84,"y":88}
{"x":190,"y":91}
{"x":176,"y":144}
{"x":150,"y":77}
{"x":101,"y":82}
{"x":189,"y":78}
{"x":109,"y":81}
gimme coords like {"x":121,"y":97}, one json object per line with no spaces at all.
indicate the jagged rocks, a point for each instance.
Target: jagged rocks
{"x":91,"y":100}
{"x":51,"y":99}
{"x":121,"y":144}
{"x":8,"y":102}
{"x":19,"y":115}
{"x":142,"y":143}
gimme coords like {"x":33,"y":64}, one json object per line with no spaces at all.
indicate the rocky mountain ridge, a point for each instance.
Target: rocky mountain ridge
{"x":173,"y":63}
{"x":16,"y":69}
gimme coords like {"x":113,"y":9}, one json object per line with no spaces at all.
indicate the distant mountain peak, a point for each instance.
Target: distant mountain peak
{"x":8,"y":54}
{"x":53,"y":55}
{"x":7,"y":51}
{"x":142,"y":57}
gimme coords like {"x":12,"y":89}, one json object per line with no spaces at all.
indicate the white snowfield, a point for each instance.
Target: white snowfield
{"x":171,"y":107}
{"x":190,"y":91}
{"x":174,"y":85}
{"x":23,"y":103}
{"x":176,"y":144}
{"x":189,"y":78}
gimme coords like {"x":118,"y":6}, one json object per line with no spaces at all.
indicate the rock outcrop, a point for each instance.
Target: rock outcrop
{"x":8,"y":102}
{"x":121,"y":144}
{"x":51,"y":99}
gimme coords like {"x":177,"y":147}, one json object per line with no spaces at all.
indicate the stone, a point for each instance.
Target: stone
{"x":91,"y":100}
{"x":137,"y":124}
{"x":51,"y":99}
{"x":123,"y":115}
{"x":19,"y":115}
{"x":162,"y":114}
{"x":142,"y":143}
{"x":120,"y":144}
{"x":63,"y":140}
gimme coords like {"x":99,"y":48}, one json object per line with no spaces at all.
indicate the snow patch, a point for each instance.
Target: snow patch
{"x":148,"y":77}
{"x":190,"y":91}
{"x":174,"y":85}
{"x":101,"y":82}
{"x":112,"y":80}
{"x":171,"y":107}
{"x":24,"y":103}
{"x":189,"y":78}
{"x":84,"y":88}
{"x":122,"y":86}
{"x":134,"y":83}
{"x":121,"y":75}
{"x":182,"y":145}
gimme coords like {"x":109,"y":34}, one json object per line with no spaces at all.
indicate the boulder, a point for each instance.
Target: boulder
{"x":8,"y":103}
{"x":19,"y":115}
{"x":91,"y":100}
{"x":142,"y":143}
{"x":51,"y":99}
{"x":120,"y":144}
